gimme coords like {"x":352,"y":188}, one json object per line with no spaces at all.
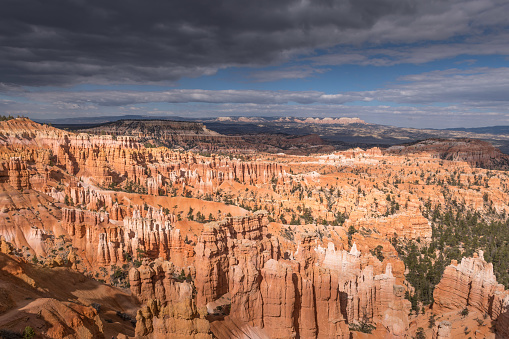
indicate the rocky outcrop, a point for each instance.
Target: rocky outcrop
{"x":169,"y":304}
{"x":279,"y":298}
{"x":500,"y":312}
{"x":469,"y":283}
{"x":472,"y":284}
{"x":476,"y":152}
{"x":18,"y":174}
{"x":319,"y":291}
{"x":406,"y":226}
{"x":370,"y":297}
{"x":228,"y":243}
{"x":107,"y":243}
{"x":442,"y":330}
{"x":177,"y":319}
{"x":154,"y":235}
{"x":5,"y":247}
{"x":67,"y":320}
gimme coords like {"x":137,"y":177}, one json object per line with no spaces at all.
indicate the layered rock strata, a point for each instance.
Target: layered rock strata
{"x":169,"y":304}
{"x":318,"y":293}
{"x":106,"y":243}
{"x":472,"y":284}
{"x":238,"y":266}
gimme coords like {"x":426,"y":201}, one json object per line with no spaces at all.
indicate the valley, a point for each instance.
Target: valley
{"x":156,"y":229}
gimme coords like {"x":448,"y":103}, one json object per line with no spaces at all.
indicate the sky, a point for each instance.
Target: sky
{"x":433,"y":63}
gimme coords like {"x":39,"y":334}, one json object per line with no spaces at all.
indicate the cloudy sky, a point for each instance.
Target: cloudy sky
{"x":433,"y":63}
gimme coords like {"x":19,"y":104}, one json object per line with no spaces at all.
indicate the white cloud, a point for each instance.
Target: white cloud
{"x":293,"y":72}
{"x":122,"y":98}
{"x":478,"y":88}
{"x":448,"y":98}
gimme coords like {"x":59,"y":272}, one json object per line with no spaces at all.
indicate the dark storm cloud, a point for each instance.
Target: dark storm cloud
{"x":61,"y":42}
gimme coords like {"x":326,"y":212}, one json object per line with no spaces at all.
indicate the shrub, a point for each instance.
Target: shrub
{"x":432,"y":321}
{"x":363,"y":327}
{"x":420,"y":333}
{"x":377,"y":252}
{"x":28,"y":333}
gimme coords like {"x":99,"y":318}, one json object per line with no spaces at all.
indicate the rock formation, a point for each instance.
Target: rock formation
{"x":170,"y":308}
{"x":469,"y":283}
{"x":103,"y":205}
{"x":68,"y":320}
{"x":56,"y":303}
{"x":406,"y":226}
{"x":294,"y":298}
{"x":106,"y":243}
{"x":442,"y":331}
{"x":318,"y":293}
{"x":472,"y":284}
{"x":477,"y":153}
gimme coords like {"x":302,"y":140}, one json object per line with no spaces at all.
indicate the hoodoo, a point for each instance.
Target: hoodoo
{"x":152,"y":242}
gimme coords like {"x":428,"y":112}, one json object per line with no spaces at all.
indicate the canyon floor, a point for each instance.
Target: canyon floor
{"x":170,"y":230}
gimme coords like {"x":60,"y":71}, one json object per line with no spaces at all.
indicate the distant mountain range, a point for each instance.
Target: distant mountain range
{"x":84,"y":121}
{"x":239,"y":119}
{"x":341,"y":132}
{"x":499,"y":130}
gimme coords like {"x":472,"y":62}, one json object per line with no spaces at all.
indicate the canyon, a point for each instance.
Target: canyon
{"x":112,"y":234}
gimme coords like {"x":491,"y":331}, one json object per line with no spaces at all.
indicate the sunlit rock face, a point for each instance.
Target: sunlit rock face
{"x":477,"y":153}
{"x":471,"y":284}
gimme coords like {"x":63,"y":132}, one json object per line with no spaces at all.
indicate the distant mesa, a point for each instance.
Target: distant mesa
{"x":477,"y":153}
{"x":342,"y":133}
{"x":325,"y":121}
{"x":322,"y":121}
{"x":152,"y":126}
{"x":241,"y":119}
{"x":196,"y":136}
